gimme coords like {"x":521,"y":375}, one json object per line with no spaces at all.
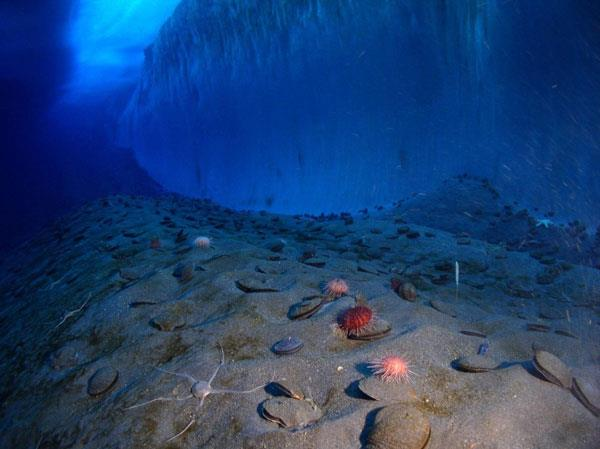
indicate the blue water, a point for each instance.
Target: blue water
{"x":268,"y":107}
{"x":182,"y":182}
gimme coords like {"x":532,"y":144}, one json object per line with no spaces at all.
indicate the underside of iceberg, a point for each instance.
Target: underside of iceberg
{"x":329,"y":105}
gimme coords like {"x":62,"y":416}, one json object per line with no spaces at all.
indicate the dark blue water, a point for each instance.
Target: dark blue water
{"x":316,"y":204}
{"x":306,"y":107}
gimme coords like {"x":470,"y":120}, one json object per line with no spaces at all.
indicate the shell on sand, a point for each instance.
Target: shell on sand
{"x":399,"y":426}
{"x":290,"y":413}
{"x":102,"y":380}
{"x":168,"y":321}
{"x":289,"y":345}
{"x":291,"y":390}
{"x":552,"y":369}
{"x":587,"y":394}
{"x":305,"y":309}
{"x":377,"y":329}
{"x":379,"y":390}
{"x":475,"y":363}
{"x":408,"y":291}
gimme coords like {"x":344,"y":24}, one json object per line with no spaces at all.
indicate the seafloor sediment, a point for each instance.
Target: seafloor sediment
{"x":96,"y":303}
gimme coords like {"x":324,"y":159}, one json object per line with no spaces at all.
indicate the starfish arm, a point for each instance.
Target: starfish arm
{"x":218,"y":367}
{"x":157,"y":400}
{"x":240,"y":391}
{"x":183,"y":431}
{"x":187,"y":376}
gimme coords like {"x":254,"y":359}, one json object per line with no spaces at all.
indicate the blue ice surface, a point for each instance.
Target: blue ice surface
{"x":328,"y":106}
{"x":107,"y":38}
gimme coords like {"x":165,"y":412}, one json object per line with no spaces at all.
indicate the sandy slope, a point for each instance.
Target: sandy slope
{"x":131,"y":313}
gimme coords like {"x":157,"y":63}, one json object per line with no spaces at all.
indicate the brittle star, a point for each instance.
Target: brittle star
{"x":200,"y":390}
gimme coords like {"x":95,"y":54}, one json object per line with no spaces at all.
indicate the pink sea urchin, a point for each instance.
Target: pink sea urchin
{"x":336,"y":288}
{"x":392,"y":368}
{"x":202,"y":242}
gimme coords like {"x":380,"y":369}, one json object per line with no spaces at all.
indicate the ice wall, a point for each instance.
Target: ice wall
{"x":107,"y":38}
{"x":327,"y":105}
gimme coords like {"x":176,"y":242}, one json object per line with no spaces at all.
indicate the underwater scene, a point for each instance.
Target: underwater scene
{"x":308,"y":224}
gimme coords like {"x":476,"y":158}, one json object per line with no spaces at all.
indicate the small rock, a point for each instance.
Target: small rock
{"x":102,"y":380}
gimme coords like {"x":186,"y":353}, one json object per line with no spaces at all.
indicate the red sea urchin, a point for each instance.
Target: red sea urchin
{"x":392,"y":368}
{"x":355,"y":320}
{"x":336,"y":288}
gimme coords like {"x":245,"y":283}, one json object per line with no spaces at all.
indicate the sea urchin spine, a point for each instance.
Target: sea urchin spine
{"x":336,"y":288}
{"x":355,"y":320}
{"x":392,"y":368}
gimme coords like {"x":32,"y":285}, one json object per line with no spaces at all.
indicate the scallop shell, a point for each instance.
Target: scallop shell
{"x":305,"y":309}
{"x":289,"y":345}
{"x":552,"y":369}
{"x":102,"y":380}
{"x":288,"y":389}
{"x":399,"y":426}
{"x":290,"y":413}
{"x":476,"y":363}
{"x":379,"y":390}
{"x":444,"y":307}
{"x":377,"y":329}
{"x":168,"y":321}
{"x":587,"y":394}
{"x":408,"y":291}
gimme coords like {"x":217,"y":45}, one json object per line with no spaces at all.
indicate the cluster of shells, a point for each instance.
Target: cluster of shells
{"x":357,"y":322}
{"x":552,"y":369}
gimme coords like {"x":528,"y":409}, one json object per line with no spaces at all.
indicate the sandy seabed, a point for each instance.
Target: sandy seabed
{"x":97,"y":302}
